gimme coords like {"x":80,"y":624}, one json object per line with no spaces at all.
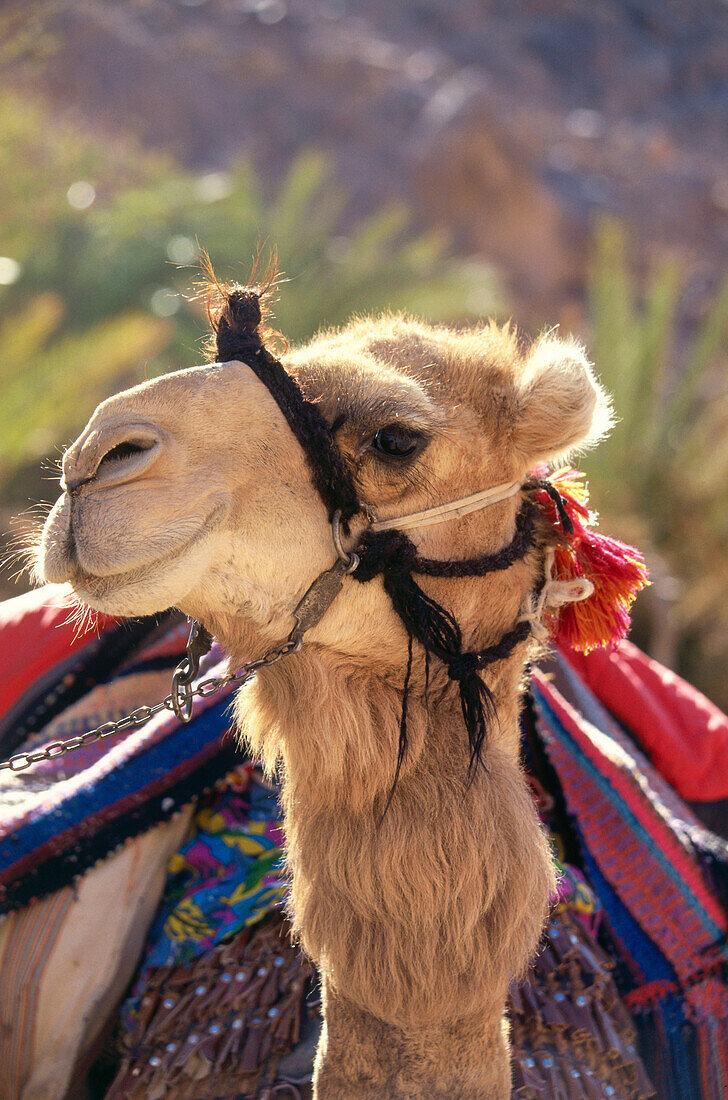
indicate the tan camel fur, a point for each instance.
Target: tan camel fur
{"x":191,"y":490}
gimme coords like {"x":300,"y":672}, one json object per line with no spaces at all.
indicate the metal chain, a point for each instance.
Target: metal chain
{"x":179,"y":702}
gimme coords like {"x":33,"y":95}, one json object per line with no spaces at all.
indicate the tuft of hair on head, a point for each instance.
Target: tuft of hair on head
{"x":240,"y":315}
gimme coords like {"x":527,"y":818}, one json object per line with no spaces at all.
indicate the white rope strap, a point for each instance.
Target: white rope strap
{"x":553,"y":594}
{"x":454,"y":509}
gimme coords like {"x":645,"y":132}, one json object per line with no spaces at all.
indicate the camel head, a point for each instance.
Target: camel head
{"x":191,"y":490}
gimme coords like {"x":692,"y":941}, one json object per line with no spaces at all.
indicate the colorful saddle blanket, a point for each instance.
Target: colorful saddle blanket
{"x":639,"y":924}
{"x":63,"y":815}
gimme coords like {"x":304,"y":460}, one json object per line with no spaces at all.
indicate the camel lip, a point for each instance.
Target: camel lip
{"x":94,"y":582}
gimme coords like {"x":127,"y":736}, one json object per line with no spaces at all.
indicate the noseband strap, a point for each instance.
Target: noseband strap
{"x":380,"y":550}
{"x":454,"y":509}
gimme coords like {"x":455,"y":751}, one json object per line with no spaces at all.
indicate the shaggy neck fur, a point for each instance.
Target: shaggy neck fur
{"x":417,"y":920}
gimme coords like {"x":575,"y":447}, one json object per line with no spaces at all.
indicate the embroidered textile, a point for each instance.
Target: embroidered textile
{"x":570,"y":1031}
{"x":639,"y":873}
{"x":61,"y":817}
{"x":216,"y":1027}
{"x":228,"y":875}
{"x":663,"y":917}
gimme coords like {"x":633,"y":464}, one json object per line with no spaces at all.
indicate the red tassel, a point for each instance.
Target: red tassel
{"x":617,"y":571}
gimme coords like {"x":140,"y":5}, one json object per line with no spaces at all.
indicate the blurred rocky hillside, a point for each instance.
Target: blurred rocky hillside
{"x":510,"y":124}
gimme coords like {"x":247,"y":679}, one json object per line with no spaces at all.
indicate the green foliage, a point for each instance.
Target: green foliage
{"x":49,"y":384}
{"x":662,"y":477}
{"x":105,"y":293}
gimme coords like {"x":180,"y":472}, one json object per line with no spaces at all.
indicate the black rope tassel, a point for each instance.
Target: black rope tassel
{"x":564,"y":518}
{"x":393,"y":555}
{"x":402,"y":747}
{"x":476,"y":698}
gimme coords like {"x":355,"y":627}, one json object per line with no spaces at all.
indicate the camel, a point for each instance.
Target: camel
{"x":420,"y":875}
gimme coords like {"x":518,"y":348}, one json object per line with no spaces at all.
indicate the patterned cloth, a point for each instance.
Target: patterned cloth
{"x":575,"y":896}
{"x":228,"y":875}
{"x":62,"y":816}
{"x":569,"y":1026}
{"x":220,"y":986}
{"x":38,"y":631}
{"x":216,"y":1028}
{"x":641,"y":854}
{"x":639,"y":872}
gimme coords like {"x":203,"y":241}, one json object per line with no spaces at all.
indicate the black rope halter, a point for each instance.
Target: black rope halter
{"x":238,"y":337}
{"x":390,"y":552}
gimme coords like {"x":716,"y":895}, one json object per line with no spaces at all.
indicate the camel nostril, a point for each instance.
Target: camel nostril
{"x":111,"y":455}
{"x":123,"y":462}
{"x":126,"y":460}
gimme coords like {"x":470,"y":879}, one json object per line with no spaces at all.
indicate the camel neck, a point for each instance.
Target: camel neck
{"x":454,"y":879}
{"x":363,"y":1058}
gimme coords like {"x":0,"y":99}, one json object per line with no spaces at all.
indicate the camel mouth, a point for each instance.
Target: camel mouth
{"x":91,"y":587}
{"x":210,"y":523}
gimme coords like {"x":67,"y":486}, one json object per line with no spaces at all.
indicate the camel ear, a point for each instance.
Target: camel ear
{"x":561,"y":405}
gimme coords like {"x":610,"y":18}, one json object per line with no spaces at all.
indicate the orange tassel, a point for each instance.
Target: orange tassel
{"x":617,"y":571}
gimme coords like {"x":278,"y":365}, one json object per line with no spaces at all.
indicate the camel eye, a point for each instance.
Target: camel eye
{"x":396,"y":441}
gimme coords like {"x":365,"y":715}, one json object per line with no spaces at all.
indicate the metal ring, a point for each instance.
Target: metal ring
{"x":350,"y":560}
{"x":181,"y":695}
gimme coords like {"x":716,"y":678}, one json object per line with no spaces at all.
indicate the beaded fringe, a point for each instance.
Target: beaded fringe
{"x":571,"y":1036}
{"x":219,"y":1027}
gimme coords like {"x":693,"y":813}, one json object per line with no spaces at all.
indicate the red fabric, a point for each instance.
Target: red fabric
{"x":682,"y":732}
{"x":34,"y":635}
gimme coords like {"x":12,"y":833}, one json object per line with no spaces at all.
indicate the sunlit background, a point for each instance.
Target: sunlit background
{"x":555,"y":162}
